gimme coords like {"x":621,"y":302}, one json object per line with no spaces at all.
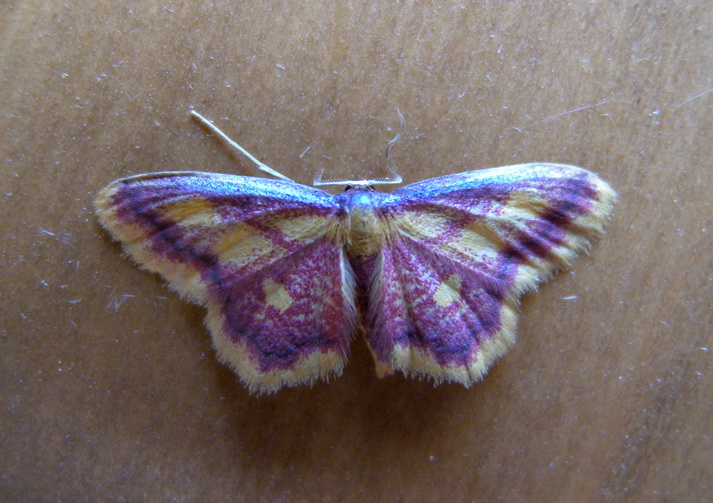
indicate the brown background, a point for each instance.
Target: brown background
{"x":108,"y":383}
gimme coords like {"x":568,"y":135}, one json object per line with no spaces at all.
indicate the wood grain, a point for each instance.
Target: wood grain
{"x":109,"y":387}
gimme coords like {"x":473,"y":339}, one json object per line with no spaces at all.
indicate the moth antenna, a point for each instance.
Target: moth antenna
{"x":394,"y":178}
{"x":260,"y":165}
{"x":396,"y":138}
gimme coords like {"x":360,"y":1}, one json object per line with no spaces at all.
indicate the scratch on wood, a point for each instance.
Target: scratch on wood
{"x":693,"y":98}
{"x":579,"y":109}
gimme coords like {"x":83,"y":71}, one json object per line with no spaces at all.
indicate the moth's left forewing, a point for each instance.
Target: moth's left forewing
{"x":264,"y":256}
{"x":464,"y":248}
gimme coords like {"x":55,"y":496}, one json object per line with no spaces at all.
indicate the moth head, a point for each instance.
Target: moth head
{"x":369,"y":188}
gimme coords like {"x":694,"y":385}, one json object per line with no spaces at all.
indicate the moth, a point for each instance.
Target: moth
{"x":433,"y":271}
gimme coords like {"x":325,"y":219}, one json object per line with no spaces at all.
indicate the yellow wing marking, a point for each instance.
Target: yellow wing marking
{"x":190,"y":212}
{"x":242,"y":245}
{"x":448,"y":292}
{"x":276,"y":295}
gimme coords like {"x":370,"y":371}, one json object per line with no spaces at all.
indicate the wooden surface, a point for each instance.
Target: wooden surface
{"x":108,"y":383}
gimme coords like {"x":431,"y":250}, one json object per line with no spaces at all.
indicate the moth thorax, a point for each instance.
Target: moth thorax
{"x":366,"y":225}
